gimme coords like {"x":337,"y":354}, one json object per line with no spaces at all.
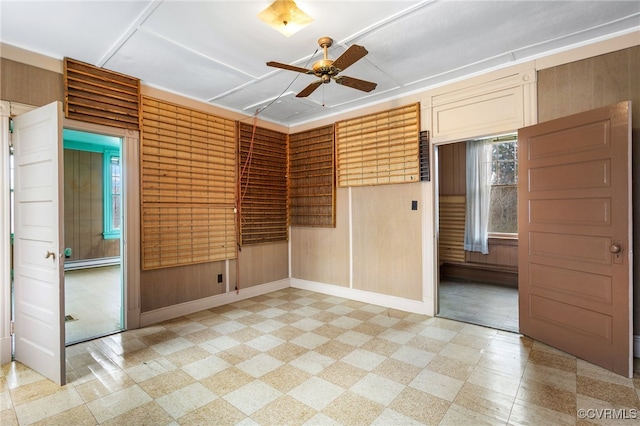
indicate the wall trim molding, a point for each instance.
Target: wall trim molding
{"x":394,"y":302}
{"x":187,"y":308}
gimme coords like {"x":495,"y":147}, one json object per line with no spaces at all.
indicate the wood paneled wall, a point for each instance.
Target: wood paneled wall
{"x":591,"y":83}
{"x":452,"y":169}
{"x":84,"y":207}
{"x":29,"y":85}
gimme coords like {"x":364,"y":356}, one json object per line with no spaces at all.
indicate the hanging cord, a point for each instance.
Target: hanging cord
{"x":246,"y":169}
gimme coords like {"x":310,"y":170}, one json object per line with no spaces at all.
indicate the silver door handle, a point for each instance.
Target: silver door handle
{"x":49,"y":254}
{"x":615,"y":248}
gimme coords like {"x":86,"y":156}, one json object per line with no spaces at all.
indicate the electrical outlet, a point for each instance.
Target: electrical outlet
{"x":219,"y":278}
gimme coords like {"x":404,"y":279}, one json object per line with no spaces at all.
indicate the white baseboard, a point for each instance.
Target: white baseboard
{"x":394,"y":302}
{"x":186,"y":308}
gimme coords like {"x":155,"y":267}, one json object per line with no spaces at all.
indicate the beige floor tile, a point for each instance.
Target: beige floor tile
{"x":593,"y":371}
{"x":488,"y":403}
{"x":495,"y":381}
{"x":554,"y":360}
{"x":166,"y":383}
{"x":78,"y":416}
{"x":457,"y":415}
{"x":103,"y":385}
{"x":544,"y":395}
{"x":236,"y":354}
{"x":187,"y":356}
{"x":620,"y":395}
{"x":378,"y":389}
{"x":150,"y":414}
{"x":551,"y":376}
{"x":8,"y":417}
{"x":312,"y":362}
{"x":342,"y":374}
{"x":298,"y":357}
{"x":286,"y":352}
{"x":316,"y":393}
{"x":259,"y":365}
{"x":451,"y":367}
{"x":218,"y":412}
{"x":184,"y":400}
{"x":284,"y":411}
{"x":397,"y":370}
{"x":437,"y":384}
{"x":285,"y":378}
{"x":227,"y":381}
{"x":33,"y":391}
{"x":382,"y":347}
{"x":118,"y":403}
{"x":65,"y":399}
{"x":252,"y":396}
{"x":420,"y":406}
{"x":392,"y":417}
{"x":353,"y":409}
{"x":527,"y":414}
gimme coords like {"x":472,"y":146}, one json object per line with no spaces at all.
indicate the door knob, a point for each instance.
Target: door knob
{"x":615,"y":248}
{"x":49,"y":254}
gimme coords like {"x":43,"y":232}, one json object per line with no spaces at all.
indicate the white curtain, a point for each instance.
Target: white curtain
{"x":478,"y":196}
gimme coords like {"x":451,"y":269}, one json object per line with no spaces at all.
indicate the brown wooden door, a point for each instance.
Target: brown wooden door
{"x":574,"y":216}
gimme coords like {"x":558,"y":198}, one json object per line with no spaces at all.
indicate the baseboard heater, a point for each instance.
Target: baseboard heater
{"x":91,"y":263}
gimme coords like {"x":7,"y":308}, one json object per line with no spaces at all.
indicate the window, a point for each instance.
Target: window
{"x":503,"y":210}
{"x":112,"y":195}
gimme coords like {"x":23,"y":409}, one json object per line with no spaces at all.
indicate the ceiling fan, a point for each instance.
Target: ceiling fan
{"x":328,"y":69}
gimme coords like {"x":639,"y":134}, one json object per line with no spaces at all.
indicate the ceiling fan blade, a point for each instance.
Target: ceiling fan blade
{"x":353,"y":54}
{"x":309,"y":89}
{"x":365,"y":86}
{"x":289,"y":67}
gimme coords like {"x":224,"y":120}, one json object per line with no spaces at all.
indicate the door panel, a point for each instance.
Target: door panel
{"x":38,"y":260}
{"x":575,"y":224}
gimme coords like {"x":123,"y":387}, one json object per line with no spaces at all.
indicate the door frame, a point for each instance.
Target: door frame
{"x":130,"y":155}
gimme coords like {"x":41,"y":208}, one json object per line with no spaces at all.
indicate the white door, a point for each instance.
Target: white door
{"x":38,"y":264}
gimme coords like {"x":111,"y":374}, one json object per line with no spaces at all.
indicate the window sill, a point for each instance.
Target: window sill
{"x":502,"y":236}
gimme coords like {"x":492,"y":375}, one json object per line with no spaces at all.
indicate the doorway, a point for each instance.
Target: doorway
{"x":478,"y":283}
{"x":93,"y":220}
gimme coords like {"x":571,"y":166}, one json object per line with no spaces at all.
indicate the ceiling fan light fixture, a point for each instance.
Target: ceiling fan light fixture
{"x":285,"y":16}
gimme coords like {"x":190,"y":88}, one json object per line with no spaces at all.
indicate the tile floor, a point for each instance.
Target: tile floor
{"x":485,"y":304}
{"x":297,"y":357}
{"x":93,"y":297}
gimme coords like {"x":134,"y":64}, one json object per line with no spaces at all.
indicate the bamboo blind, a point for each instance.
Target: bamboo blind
{"x":99,"y":96}
{"x":263,"y":185}
{"x":312,"y":178}
{"x":451,"y":228}
{"x":188,"y":172}
{"x":379,"y":148}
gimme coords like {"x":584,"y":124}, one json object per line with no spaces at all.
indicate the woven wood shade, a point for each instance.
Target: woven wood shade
{"x":451,"y":228}
{"x":312,"y":178}
{"x":379,"y":148}
{"x":263,"y":185}
{"x":99,"y":96}
{"x":188,"y":171}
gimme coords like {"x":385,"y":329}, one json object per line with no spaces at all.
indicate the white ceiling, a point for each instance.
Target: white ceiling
{"x":216,"y":51}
